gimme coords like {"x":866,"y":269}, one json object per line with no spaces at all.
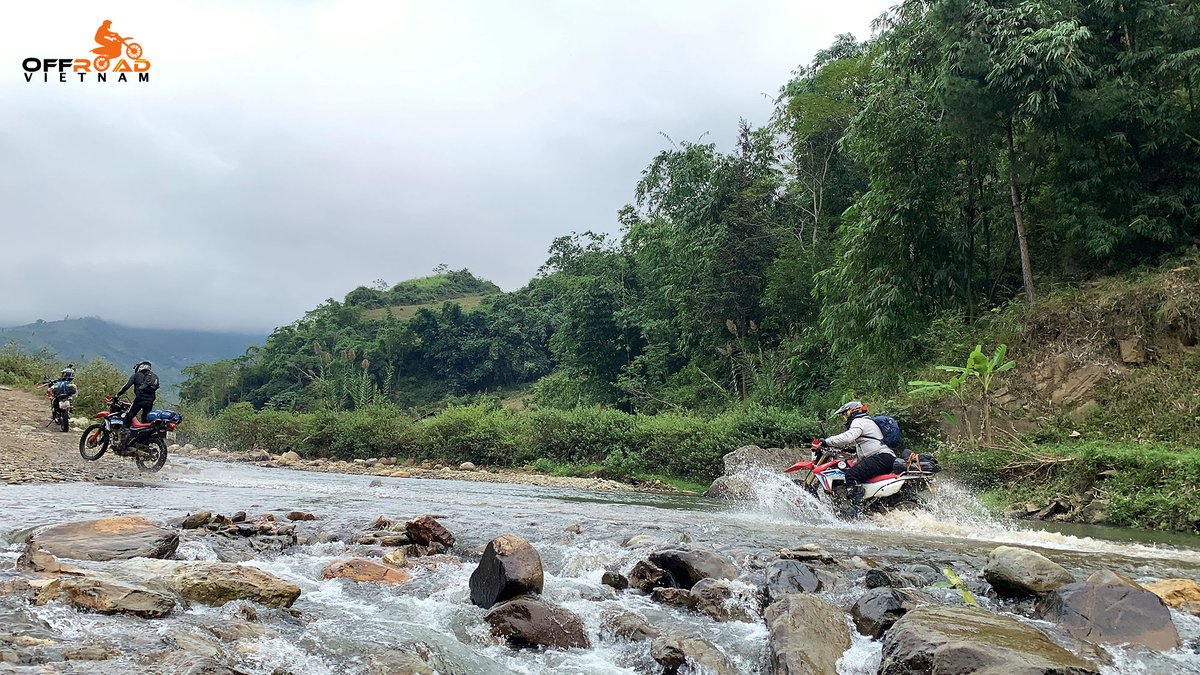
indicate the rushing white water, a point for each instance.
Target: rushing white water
{"x":342,"y":626}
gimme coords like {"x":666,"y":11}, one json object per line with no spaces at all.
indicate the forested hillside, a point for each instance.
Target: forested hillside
{"x":970,"y":155}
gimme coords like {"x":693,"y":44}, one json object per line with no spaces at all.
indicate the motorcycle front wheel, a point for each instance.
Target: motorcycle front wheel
{"x":134,"y":50}
{"x":152,"y":455}
{"x":93,"y":443}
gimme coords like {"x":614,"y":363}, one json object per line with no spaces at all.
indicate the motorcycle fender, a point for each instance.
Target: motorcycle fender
{"x":885,"y":488}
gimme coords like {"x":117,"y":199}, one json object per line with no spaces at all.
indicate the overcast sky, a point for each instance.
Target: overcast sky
{"x":286,"y":152}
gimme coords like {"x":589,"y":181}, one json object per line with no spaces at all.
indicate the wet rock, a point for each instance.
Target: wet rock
{"x":215,"y":583}
{"x":805,"y":635}
{"x":646,"y":576}
{"x":806,"y":552}
{"x":529,"y":622}
{"x":687,"y":566}
{"x":106,"y":539}
{"x":300,"y":515}
{"x":629,"y":626}
{"x":615,"y":580}
{"x":674,"y":597}
{"x":510,"y":567}
{"x":397,"y":662}
{"x":879,"y":608}
{"x":196,"y":520}
{"x":239,"y":517}
{"x":793,"y":576}
{"x":971,"y":640}
{"x":466,"y":466}
{"x":749,"y":457}
{"x":427,"y":530}
{"x":638,"y":540}
{"x":676,"y":653}
{"x":722,"y":601}
{"x":363,"y":570}
{"x":1107,"y":608}
{"x":1018,"y":572}
{"x":925,"y":573}
{"x":731,"y":488}
{"x":1175,"y":592}
{"x":108,"y":597}
{"x":376,"y":483}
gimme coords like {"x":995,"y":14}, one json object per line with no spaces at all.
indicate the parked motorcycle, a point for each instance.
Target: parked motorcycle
{"x":145,"y":442}
{"x":60,"y":393}
{"x":113,"y":50}
{"x":825,"y":476}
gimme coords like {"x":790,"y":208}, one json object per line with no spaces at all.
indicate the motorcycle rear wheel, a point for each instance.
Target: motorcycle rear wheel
{"x":100,"y":63}
{"x":64,"y":421}
{"x":151,"y":456}
{"x":88,"y":445}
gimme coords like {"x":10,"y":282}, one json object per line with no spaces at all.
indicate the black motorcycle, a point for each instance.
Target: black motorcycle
{"x":60,"y":394}
{"x":145,"y":442}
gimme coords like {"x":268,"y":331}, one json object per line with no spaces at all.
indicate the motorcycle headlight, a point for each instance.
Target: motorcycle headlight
{"x":842,"y":464}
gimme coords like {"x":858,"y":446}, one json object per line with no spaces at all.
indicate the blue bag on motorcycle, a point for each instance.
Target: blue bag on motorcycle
{"x":64,"y":388}
{"x":889,"y":428}
{"x":164,"y":415}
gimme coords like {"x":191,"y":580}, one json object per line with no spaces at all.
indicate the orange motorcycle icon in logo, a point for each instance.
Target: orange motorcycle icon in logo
{"x":110,"y":47}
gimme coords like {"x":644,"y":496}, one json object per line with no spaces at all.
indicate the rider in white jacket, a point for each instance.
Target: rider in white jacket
{"x":863,"y":437}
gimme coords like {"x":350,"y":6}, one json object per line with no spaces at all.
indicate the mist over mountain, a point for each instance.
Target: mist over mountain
{"x":79,"y":340}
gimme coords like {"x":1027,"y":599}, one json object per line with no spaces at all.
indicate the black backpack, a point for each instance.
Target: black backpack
{"x":149,"y":383}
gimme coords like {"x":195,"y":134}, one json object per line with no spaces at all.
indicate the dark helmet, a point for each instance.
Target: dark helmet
{"x":141,"y":365}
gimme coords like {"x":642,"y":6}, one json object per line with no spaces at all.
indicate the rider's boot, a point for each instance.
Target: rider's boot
{"x":857,"y":493}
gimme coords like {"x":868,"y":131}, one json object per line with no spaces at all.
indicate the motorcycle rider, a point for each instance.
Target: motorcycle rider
{"x":67,"y":375}
{"x":105,"y":37}
{"x":862,"y":436}
{"x":145,"y":385}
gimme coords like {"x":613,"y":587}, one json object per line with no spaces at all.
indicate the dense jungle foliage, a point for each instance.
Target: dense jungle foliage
{"x":970,"y":155}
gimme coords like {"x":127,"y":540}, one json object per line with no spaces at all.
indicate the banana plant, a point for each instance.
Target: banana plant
{"x":985,"y":370}
{"x":979,"y":367}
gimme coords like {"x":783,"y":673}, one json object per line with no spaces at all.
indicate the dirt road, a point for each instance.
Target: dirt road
{"x":31,"y":452}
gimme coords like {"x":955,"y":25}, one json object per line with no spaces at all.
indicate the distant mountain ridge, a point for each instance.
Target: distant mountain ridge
{"x":170,"y":350}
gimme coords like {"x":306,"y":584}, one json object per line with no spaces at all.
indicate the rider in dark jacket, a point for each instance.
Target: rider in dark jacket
{"x":145,"y":386}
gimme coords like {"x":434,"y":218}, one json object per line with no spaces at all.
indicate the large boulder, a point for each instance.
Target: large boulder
{"x":529,"y":622}
{"x":364,"y":570}
{"x":676,"y":653}
{"x":879,"y":608}
{"x":805,"y":636}
{"x":731,"y":488}
{"x":1107,"y":608}
{"x":427,"y":530}
{"x":510,"y":567}
{"x":792,"y":576}
{"x":687,"y":566}
{"x":1018,"y":572}
{"x":629,"y":626}
{"x":971,"y":640}
{"x":1175,"y":592}
{"x":108,"y":597}
{"x":106,"y":539}
{"x":750,"y":457}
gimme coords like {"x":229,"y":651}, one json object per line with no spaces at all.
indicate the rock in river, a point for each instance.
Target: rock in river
{"x":676,"y":653}
{"x":510,"y":567}
{"x":879,"y":608}
{"x":970,"y":640}
{"x":1175,"y":592}
{"x":805,"y":636}
{"x":1110,"y":609}
{"x":364,"y":570}
{"x":1017,"y":572}
{"x":108,"y":597}
{"x":687,"y":566}
{"x":527,"y":621}
{"x":793,"y":576}
{"x":427,"y":530}
{"x":106,"y":539}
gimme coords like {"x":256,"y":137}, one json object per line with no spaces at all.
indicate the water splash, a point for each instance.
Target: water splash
{"x":863,"y":656}
{"x":775,"y":495}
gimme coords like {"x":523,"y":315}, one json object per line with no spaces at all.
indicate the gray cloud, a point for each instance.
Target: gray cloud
{"x":284,"y":153}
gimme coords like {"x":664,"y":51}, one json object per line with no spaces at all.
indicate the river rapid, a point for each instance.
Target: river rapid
{"x":341,"y":624}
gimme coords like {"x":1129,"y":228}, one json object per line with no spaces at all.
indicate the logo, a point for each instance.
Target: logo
{"x":119,"y":57}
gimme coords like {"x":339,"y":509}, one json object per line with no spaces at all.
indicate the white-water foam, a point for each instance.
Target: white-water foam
{"x":863,"y":656}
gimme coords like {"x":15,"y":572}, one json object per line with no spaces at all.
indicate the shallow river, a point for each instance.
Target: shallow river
{"x":343,"y":623}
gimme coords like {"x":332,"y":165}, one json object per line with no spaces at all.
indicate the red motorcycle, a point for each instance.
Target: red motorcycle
{"x":825,"y":474}
{"x":113,"y":50}
{"x":146,"y":442}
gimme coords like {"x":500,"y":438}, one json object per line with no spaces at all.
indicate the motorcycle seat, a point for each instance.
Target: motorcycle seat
{"x":136,"y":424}
{"x":880,"y":479}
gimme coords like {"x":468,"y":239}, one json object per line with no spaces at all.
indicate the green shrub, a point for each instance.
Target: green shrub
{"x":583,"y":435}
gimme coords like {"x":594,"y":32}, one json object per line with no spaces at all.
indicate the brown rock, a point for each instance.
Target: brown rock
{"x":510,"y":567}
{"x":879,"y":609}
{"x":117,"y":538}
{"x":629,"y":626}
{"x":687,"y":566}
{"x":300,"y":515}
{"x":676,"y":654}
{"x":529,"y":622}
{"x":427,"y":530}
{"x":646,"y":576}
{"x":615,"y":580}
{"x":718,"y":599}
{"x":196,"y":520}
{"x":805,"y":636}
{"x":1175,"y":592}
{"x":363,"y":570}
{"x":674,"y":597}
{"x":213,"y":583}
{"x":109,"y":597}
